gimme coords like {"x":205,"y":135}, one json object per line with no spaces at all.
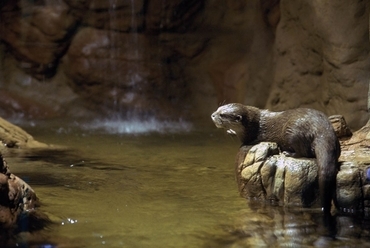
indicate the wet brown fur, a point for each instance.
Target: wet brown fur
{"x":301,"y":132}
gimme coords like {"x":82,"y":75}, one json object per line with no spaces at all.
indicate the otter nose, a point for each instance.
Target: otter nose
{"x":213,"y":115}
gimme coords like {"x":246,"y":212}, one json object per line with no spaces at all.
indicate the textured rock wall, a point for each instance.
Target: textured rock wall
{"x":322,"y":58}
{"x":237,"y":61}
{"x":117,"y":56}
{"x":88,"y":57}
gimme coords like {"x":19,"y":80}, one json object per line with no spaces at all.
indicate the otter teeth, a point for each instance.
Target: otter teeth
{"x":230,"y":131}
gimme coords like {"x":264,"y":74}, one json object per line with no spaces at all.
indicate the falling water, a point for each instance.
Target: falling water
{"x":134,"y":29}
{"x":138,"y":126}
{"x":113,"y":44}
{"x":130,"y":121}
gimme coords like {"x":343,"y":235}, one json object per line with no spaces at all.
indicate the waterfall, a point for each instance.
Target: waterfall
{"x":134,"y":29}
{"x":112,"y":55}
{"x":130,"y":122}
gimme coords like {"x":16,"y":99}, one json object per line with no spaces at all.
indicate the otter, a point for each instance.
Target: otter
{"x":298,"y":132}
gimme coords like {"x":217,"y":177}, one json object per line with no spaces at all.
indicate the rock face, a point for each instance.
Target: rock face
{"x":126,"y":60}
{"x":264,"y":174}
{"x":182,"y":58}
{"x":117,"y":56}
{"x":37,"y":34}
{"x":17,"y":198}
{"x":323,"y":58}
{"x":13,"y":136}
{"x":130,"y":66}
{"x":340,"y":126}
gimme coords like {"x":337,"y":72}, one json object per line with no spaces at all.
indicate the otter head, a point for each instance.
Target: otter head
{"x":230,"y":117}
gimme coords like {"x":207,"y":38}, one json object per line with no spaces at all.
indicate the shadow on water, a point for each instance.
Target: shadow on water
{"x":159,"y":190}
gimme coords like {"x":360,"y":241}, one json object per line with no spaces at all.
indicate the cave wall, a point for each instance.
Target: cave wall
{"x":236,"y":64}
{"x":108,"y":57}
{"x":182,"y":58}
{"x":322,"y":58}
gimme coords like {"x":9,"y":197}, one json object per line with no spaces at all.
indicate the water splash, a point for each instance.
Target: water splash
{"x":137,"y":126}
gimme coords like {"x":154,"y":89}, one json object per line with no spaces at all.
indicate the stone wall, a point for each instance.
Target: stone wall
{"x":156,"y":57}
{"x":322,"y":58}
{"x":117,"y":56}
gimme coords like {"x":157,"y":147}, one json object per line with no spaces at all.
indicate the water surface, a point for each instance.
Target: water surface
{"x":157,"y":190}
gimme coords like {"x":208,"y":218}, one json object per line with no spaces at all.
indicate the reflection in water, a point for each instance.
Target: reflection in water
{"x":160,"y":190}
{"x":278,"y":227}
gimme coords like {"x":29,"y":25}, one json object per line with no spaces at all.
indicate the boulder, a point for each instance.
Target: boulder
{"x":17,"y":198}
{"x":13,"y":136}
{"x":266,"y":175}
{"x":269,"y":176}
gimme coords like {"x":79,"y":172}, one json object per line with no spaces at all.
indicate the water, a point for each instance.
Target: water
{"x":136,"y":126}
{"x":157,"y":190}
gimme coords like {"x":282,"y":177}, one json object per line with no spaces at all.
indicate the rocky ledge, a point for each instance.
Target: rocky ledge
{"x":265,"y":174}
{"x":16,"y":197}
{"x":12,"y":136}
{"x":18,"y":207}
{"x":19,"y":212}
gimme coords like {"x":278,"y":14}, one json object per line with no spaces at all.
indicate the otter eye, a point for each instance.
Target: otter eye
{"x":238,"y":118}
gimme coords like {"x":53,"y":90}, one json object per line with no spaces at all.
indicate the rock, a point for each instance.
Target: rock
{"x":354,"y":175}
{"x":171,"y":16}
{"x":17,"y":199}
{"x":359,"y":143}
{"x":300,"y":181}
{"x":349,"y":187}
{"x":37,"y":35}
{"x":125,"y":16}
{"x":340,"y":126}
{"x":13,"y":136}
{"x":17,"y":106}
{"x":126,"y":70}
{"x":320,"y":57}
{"x":268,"y":175}
{"x":196,"y":54}
{"x":115,"y":65}
{"x":271,"y":11}
{"x":265,"y":175}
{"x":123,"y":58}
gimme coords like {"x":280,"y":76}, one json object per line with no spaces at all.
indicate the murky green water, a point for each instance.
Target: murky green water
{"x":158,"y":190}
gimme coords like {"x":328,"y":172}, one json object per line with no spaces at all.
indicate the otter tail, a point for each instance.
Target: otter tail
{"x":327,"y":159}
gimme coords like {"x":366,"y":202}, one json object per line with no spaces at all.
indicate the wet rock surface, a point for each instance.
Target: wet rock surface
{"x":269,"y":176}
{"x":13,"y":136}
{"x":18,"y":207}
{"x":266,"y":175}
{"x":356,"y":171}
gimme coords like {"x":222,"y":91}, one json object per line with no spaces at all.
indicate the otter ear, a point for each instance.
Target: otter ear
{"x":238,"y":118}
